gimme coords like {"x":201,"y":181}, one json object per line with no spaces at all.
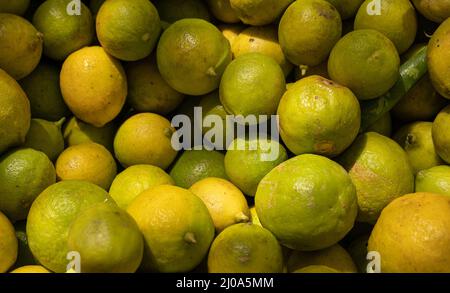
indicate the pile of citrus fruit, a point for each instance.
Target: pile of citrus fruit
{"x":91,"y":179}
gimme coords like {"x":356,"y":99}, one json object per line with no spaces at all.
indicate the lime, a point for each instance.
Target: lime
{"x":15,"y":7}
{"x":252,"y":85}
{"x":89,"y":162}
{"x":177,"y":228}
{"x":254,"y":216}
{"x":94,"y":85}
{"x":231,"y":31}
{"x":259,"y":12}
{"x":436,"y":11}
{"x":316,"y":269}
{"x":248,"y":161}
{"x":8,"y":244}
{"x":374,"y":63}
{"x":441,"y":134}
{"x":222,"y":10}
{"x":63,"y":33}
{"x":15,"y":113}
{"x":308,"y":202}
{"x":31,"y":269}
{"x":434,"y":180}
{"x":45,"y":136}
{"x":148,"y":91}
{"x":347,"y":8}
{"x":174,"y":10}
{"x":108,"y":240}
{"x":225,"y":202}
{"x":135,"y":180}
{"x":193,"y":166}
{"x":382,"y":126}
{"x":145,"y":139}
{"x":192,"y":55}
{"x":24,"y":174}
{"x":321,"y":28}
{"x":438,"y":59}
{"x":380,"y":170}
{"x":245,"y":248}
{"x":51,"y":216}
{"x":318,"y":116}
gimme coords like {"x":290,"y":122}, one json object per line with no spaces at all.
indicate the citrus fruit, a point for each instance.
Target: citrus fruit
{"x":15,"y":113}
{"x":308,"y":202}
{"x":42,"y":89}
{"x":222,"y":10}
{"x":90,"y":162}
{"x":148,"y":91}
{"x":193,"y":166}
{"x":382,"y":126}
{"x":177,"y":228}
{"x":347,"y":8}
{"x":417,"y":141}
{"x":397,"y":21}
{"x":20,"y":46}
{"x":438,"y":59}
{"x":52,"y":214}
{"x":264,"y":40}
{"x":252,"y":84}
{"x":231,"y":31}
{"x":441,"y":134}
{"x":434,"y":180}
{"x":77,"y":132}
{"x":145,"y":139}
{"x":259,"y":12}
{"x":192,"y":55}
{"x":358,"y":251}
{"x":128,"y":29}
{"x":334,"y":257}
{"x":8,"y":244}
{"x":248,"y":161}
{"x":318,"y":116}
{"x":212,"y":109}
{"x":173,"y":10}
{"x":412,"y":234}
{"x":225,"y":202}
{"x":374,"y":59}
{"x":436,"y":11}
{"x":24,"y":256}
{"x":245,"y":248}
{"x":421,"y":103}
{"x":380,"y":170}
{"x":93,"y":85}
{"x":321,"y":28}
{"x":316,"y":269}
{"x":31,"y":269}
{"x":134,"y":180}
{"x":45,"y":136}
{"x":254,"y":216}
{"x":24,"y":174}
{"x":15,"y":7}
{"x":63,"y":33}
{"x":108,"y":240}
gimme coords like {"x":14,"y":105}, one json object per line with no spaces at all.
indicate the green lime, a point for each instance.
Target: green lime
{"x":174,"y":10}
{"x":347,"y":8}
{"x":15,"y":7}
{"x":51,"y":216}
{"x":316,"y":269}
{"x":45,"y":136}
{"x":434,"y":180}
{"x":436,"y":11}
{"x":192,"y":166}
{"x":222,"y":10}
{"x":308,"y":202}
{"x":8,"y":244}
{"x":441,"y":134}
{"x":259,"y":12}
{"x":24,"y":174}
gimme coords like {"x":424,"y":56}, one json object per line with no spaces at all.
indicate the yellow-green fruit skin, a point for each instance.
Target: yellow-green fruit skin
{"x":108,"y":240}
{"x":177,"y":228}
{"x":380,"y":170}
{"x":30,"y":269}
{"x":45,"y":136}
{"x":20,"y":46}
{"x":374,"y":63}
{"x":63,"y":34}
{"x":52,"y":214}
{"x":347,"y":8}
{"x":436,"y":11}
{"x":8,"y":244}
{"x":173,"y":10}
{"x":252,"y":84}
{"x":24,"y":174}
{"x":308,"y":202}
{"x":397,"y":20}
{"x":222,"y":10}
{"x":192,"y":55}
{"x":416,"y":139}
{"x":318,"y":116}
{"x":441,"y":134}
{"x":259,"y":12}
{"x":245,"y":248}
{"x":412,"y":234}
{"x":382,"y":126}
{"x":15,"y":116}
{"x":438,"y":59}
{"x":434,"y":180}
{"x":15,"y":7}
{"x":321,"y":28}
{"x":128,"y":29}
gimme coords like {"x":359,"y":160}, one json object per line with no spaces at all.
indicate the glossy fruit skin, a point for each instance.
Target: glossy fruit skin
{"x":259,"y":12}
{"x":438,"y":59}
{"x":434,"y":180}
